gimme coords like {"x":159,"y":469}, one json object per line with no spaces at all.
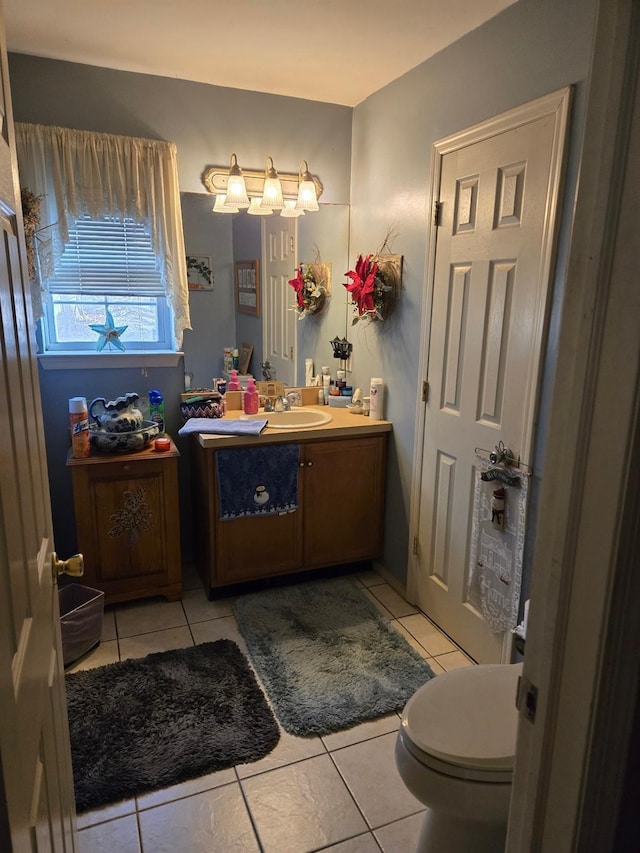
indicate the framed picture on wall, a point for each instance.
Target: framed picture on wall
{"x":246,"y":351}
{"x":248,"y":287}
{"x":199,"y":272}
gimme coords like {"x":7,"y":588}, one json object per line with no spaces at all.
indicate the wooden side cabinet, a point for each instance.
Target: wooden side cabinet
{"x":128,"y":524}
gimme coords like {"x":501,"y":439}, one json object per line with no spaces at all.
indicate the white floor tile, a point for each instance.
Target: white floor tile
{"x":369,"y":769}
{"x":361,"y":844}
{"x":142,"y":617}
{"x":454,"y":660}
{"x":392,"y":600}
{"x":401,"y":836}
{"x":109,"y":625}
{"x":289,"y":749}
{"x":302,"y":807}
{"x":364,"y":731}
{"x":101,"y":655}
{"x":415,"y":645}
{"x":199,"y":609}
{"x":120,"y":834}
{"x":157,"y":641}
{"x":106,"y":813}
{"x":369,"y":578}
{"x":387,"y":615}
{"x":216,"y":821}
{"x":186,"y":789}
{"x":433,"y":640}
{"x":225,"y":628}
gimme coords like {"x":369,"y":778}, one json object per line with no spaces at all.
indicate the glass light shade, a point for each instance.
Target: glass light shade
{"x":272,"y":191}
{"x":307,"y":198}
{"x":289,"y":209}
{"x":221,"y":205}
{"x":236,"y":189}
{"x":256,"y":209}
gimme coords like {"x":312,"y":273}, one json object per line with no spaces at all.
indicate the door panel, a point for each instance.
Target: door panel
{"x":279,"y":263}
{"x":489,"y":301}
{"x":36,"y":789}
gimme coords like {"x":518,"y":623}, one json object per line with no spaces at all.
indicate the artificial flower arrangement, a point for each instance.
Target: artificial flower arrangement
{"x":31,"y":218}
{"x":374,"y":285}
{"x":311,"y":287}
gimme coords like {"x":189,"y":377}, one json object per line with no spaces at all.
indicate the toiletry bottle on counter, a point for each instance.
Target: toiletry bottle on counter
{"x":250,"y":398}
{"x":79,"y":424}
{"x":376,"y":405}
{"x":156,"y":409}
{"x":234,"y":381}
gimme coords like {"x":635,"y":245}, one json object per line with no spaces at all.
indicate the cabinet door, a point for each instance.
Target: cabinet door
{"x":343,"y":500}
{"x":256,"y":547}
{"x":127,"y":520}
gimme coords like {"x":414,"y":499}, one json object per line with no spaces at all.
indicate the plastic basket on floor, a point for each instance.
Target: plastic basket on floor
{"x":81,"y":612}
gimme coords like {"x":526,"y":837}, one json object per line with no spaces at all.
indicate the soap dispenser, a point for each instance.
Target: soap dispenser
{"x":250,"y":398}
{"x":234,"y":381}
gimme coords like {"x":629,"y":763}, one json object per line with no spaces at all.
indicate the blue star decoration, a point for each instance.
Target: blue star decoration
{"x":109,"y":333}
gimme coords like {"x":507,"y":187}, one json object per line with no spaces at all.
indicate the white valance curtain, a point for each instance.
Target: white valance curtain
{"x":77,"y":172}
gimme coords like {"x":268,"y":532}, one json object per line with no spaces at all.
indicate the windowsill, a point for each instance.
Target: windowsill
{"x":107,"y":360}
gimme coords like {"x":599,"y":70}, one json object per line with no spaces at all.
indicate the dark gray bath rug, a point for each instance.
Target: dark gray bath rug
{"x":144,"y":724}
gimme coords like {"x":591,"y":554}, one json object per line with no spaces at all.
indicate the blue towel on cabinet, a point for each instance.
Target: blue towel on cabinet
{"x":258,"y":480}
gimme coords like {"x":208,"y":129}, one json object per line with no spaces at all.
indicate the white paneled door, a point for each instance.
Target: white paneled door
{"x":498,"y":196}
{"x":36,"y":789}
{"x":278,"y":264}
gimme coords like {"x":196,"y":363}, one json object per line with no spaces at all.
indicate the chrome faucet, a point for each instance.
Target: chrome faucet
{"x":281,"y":404}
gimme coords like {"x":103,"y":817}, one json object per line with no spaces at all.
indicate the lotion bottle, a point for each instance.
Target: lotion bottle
{"x":250,"y":398}
{"x":376,"y":406}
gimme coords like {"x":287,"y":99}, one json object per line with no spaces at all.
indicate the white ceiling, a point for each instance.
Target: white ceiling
{"x":338,"y":51}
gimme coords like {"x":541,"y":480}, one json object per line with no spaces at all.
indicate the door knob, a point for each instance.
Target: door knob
{"x":74,"y":566}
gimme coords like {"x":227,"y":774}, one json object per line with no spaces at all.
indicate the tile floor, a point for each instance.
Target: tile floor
{"x":337,"y":793}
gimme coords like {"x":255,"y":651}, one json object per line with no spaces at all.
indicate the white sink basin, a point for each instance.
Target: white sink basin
{"x":293,"y":419}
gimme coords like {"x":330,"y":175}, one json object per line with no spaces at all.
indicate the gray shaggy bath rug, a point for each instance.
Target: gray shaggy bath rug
{"x":326,"y":657}
{"x":143,"y":724}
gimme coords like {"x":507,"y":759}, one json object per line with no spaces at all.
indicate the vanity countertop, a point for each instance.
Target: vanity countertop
{"x":342,"y":424}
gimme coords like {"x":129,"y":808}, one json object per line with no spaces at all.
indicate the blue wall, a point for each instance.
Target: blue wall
{"x":532,"y":48}
{"x":207,"y":123}
{"x":376,"y":157}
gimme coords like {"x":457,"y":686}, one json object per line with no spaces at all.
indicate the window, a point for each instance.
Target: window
{"x":108,"y":237}
{"x":107,"y":265}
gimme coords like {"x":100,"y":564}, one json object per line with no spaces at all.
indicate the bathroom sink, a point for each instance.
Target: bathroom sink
{"x":293,"y":419}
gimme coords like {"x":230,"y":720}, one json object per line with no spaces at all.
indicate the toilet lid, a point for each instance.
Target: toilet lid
{"x":467,"y":717}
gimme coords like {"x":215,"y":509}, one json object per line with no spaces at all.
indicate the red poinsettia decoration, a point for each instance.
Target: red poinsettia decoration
{"x":298,"y":285}
{"x":362,"y":285}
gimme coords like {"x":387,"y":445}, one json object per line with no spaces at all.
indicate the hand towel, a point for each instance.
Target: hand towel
{"x":217,"y":426}
{"x":258,"y":480}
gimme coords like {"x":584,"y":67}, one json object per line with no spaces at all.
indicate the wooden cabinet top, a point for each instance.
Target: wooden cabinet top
{"x":148,"y":454}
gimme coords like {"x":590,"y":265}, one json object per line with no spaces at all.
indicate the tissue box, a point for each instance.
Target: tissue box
{"x":339,"y":402}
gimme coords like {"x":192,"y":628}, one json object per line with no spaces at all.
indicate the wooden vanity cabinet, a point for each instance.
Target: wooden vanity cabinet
{"x":128,"y":523}
{"x":338,"y":520}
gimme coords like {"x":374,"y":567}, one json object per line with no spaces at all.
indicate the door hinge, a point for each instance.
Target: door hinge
{"x":416,"y":546}
{"x":527,"y":699}
{"x":437,"y":213}
{"x":425,"y":391}
{"x":291,"y":243}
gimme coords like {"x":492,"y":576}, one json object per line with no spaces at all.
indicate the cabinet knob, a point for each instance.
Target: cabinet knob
{"x":309,"y":464}
{"x":126,"y":467}
{"x":301,"y":465}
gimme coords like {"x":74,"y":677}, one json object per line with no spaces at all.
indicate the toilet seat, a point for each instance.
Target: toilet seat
{"x":463,"y":723}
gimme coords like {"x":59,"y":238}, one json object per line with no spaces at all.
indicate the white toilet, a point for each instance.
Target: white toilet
{"x":455,"y":752}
